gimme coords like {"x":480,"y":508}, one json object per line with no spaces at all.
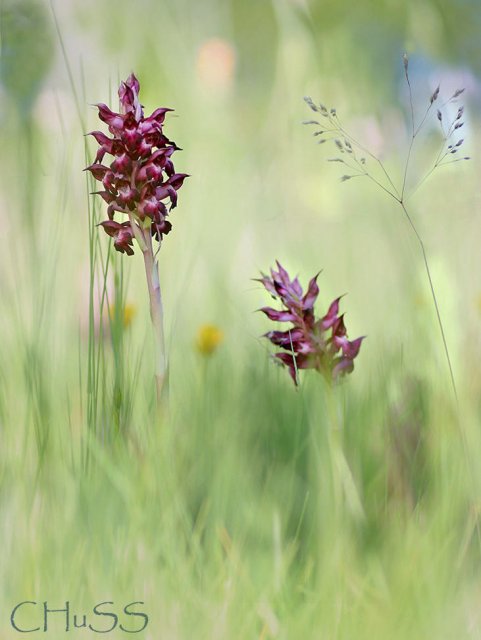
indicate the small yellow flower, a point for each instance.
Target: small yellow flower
{"x":130,"y":311}
{"x":209,"y":337}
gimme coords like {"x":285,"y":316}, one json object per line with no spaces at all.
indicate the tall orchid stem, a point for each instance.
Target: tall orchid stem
{"x":156,"y":314}
{"x":151,"y":264}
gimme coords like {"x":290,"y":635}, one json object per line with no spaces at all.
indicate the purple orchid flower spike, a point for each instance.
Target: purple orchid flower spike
{"x":141,"y":185}
{"x":310,"y":343}
{"x":141,"y":178}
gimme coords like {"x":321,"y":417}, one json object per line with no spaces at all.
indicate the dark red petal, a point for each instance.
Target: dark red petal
{"x":100,"y":137}
{"x":122,"y":163}
{"x":338,"y":327}
{"x":159,"y":114}
{"x":294,"y":362}
{"x":97,"y":170}
{"x":113,"y":207}
{"x":284,"y":276}
{"x":160,"y":229}
{"x":129,"y":97}
{"x":278,"y":316}
{"x":128,"y":250}
{"x":342,"y":366}
{"x":163,"y":153}
{"x":287,"y":339}
{"x":177,"y":180}
{"x":106,"y":195}
{"x":114,"y":120}
{"x":296,"y":287}
{"x":311,"y":293}
{"x":268,"y":284}
{"x":351,"y":349}
{"x":169,"y":167}
{"x":133,"y":83}
{"x":100,"y":155}
{"x":331,"y":316}
{"x":288,"y":360}
{"x":110,"y":227}
{"x":148,"y":207}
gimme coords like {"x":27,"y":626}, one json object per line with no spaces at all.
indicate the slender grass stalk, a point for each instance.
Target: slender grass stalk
{"x":344,"y":485}
{"x":332,"y":129}
{"x":434,"y":297}
{"x":98,"y":409}
{"x":116,"y":317}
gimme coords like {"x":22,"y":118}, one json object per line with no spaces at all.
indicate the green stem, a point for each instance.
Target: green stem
{"x":344,"y":486}
{"x":156,"y":313}
{"x":434,"y":297}
{"x":144,"y":240}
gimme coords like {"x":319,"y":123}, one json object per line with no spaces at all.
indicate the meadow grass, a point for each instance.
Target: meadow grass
{"x":221,"y":518}
{"x":223,"y":514}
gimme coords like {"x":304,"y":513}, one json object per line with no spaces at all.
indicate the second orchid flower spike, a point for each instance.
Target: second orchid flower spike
{"x":310,"y":343}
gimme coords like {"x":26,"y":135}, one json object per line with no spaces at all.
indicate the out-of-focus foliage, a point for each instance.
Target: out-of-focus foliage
{"x":256,"y":39}
{"x":366,"y":36}
{"x":461,"y":29}
{"x":27,"y":50}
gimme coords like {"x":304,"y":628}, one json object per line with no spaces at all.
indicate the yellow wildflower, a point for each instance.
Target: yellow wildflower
{"x":130,"y":311}
{"x":209,"y":337}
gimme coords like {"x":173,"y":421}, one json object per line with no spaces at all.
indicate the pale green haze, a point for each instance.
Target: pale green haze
{"x":245,"y":509}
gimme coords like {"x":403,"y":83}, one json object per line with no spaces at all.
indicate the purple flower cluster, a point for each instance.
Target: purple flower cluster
{"x":311,"y":343}
{"x":142,"y":176}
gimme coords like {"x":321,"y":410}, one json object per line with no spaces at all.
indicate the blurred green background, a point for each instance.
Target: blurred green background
{"x":222,"y":515}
